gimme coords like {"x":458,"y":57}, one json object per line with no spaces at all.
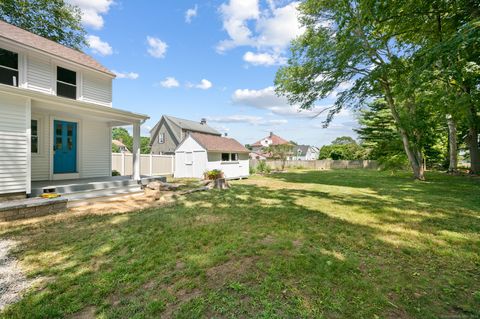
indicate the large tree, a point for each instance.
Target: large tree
{"x":53,"y":19}
{"x":346,"y":42}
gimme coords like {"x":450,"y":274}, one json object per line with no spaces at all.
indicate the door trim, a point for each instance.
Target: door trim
{"x":52,"y":119}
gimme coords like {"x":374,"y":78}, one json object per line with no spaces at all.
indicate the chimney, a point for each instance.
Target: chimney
{"x":226,"y":134}
{"x":203,"y":121}
{"x":271,"y":134}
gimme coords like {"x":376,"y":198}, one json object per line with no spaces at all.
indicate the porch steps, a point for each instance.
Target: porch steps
{"x":76,"y":190}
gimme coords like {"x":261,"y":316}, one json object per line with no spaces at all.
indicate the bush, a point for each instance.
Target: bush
{"x":263,"y":167}
{"x":115,"y":173}
{"x":393,"y":163}
{"x":252,"y":170}
{"x":213,"y":174}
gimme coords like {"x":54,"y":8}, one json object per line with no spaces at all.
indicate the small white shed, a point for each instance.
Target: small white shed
{"x":199,"y":153}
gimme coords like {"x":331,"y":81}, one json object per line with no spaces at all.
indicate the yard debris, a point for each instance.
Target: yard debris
{"x":12,"y":281}
{"x":221,"y":183}
{"x":199,"y":189}
{"x":161,"y":186}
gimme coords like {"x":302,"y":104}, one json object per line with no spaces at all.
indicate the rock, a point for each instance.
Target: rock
{"x":153,"y":185}
{"x":153,"y":193}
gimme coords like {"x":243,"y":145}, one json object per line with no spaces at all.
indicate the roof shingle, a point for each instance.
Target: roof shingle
{"x":27,"y":38}
{"x":215,"y":143}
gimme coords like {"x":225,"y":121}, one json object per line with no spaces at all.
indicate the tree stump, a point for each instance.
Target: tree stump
{"x":221,"y":183}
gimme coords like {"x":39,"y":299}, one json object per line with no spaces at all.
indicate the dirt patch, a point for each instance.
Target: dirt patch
{"x":13,"y":282}
{"x":230,"y":270}
{"x":86,"y":313}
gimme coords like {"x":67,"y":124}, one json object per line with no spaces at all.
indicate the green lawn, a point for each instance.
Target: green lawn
{"x":332,"y":244}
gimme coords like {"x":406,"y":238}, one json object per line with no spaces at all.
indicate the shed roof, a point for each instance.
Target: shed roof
{"x":215,"y":143}
{"x":23,"y":37}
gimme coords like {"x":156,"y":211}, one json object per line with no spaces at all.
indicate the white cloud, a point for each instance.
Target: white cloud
{"x":126,"y":75}
{"x":203,"y":85}
{"x":98,"y":46}
{"x":267,"y":99}
{"x":92,"y":11}
{"x":249,"y":119}
{"x":156,"y":47}
{"x":191,"y":13}
{"x":265,"y":59}
{"x":170,"y":82}
{"x":269,"y":30}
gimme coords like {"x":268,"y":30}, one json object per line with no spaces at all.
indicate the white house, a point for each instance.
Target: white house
{"x":56,"y":113}
{"x":200,"y":152}
{"x":304,"y":153}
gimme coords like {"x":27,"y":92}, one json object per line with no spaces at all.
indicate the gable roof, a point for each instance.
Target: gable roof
{"x":276,"y":140}
{"x":193,"y":126}
{"x":300,"y":150}
{"x":45,"y":45}
{"x":215,"y":143}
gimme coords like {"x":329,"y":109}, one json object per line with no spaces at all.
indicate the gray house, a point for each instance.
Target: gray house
{"x":170,"y":131}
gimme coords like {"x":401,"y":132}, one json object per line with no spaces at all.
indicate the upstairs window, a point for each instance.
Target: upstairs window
{"x":66,"y":83}
{"x":8,"y":67}
{"x":161,"y":138}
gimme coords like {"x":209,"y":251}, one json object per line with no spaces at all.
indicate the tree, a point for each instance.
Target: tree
{"x":280,"y":152}
{"x":347,"y":42}
{"x":342,"y":148}
{"x":145,"y":145}
{"x":122,"y":135}
{"x":52,"y":19}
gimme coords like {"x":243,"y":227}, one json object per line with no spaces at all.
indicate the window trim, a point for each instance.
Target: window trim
{"x":77,"y":80}
{"x":39,"y":134}
{"x":163,"y":138}
{"x":17,"y":84}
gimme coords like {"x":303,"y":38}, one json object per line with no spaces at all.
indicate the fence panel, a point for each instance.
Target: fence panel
{"x":150,"y":165}
{"x":319,"y":164}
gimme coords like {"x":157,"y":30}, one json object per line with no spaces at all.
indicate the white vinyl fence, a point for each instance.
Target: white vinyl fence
{"x":319,"y":164}
{"x":150,"y":165}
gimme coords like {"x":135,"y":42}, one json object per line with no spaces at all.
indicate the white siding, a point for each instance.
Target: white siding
{"x":13,"y":144}
{"x":190,"y":159}
{"x":240,"y":168}
{"x":96,"y":150}
{"x":39,"y":75}
{"x":96,"y":89}
{"x":41,"y":161}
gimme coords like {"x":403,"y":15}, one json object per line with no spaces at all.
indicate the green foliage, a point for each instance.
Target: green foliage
{"x":263,"y":167}
{"x":393,"y":162}
{"x":342,"y":148}
{"x":121,"y":134}
{"x":53,"y":19}
{"x":115,"y":173}
{"x":213,"y":174}
{"x":252,"y":170}
{"x":280,"y":152}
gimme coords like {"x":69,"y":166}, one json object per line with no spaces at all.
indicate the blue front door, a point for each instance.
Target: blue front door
{"x":65,"y":147}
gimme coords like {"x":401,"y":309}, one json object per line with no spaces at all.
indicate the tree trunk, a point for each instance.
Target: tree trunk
{"x":414,"y":155}
{"x":474,"y":151}
{"x":452,"y":144}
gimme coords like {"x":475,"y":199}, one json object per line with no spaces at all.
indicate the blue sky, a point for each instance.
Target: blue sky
{"x":211,"y":59}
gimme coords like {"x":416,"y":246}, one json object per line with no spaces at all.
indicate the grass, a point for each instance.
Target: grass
{"x":331,"y":244}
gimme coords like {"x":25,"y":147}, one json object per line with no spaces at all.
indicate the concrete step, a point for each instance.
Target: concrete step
{"x":89,"y":194}
{"x":82,"y":187}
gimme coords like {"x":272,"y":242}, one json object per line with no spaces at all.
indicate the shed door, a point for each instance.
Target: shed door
{"x":189,"y":164}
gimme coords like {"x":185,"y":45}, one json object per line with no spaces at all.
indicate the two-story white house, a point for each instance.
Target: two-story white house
{"x":56,"y":113}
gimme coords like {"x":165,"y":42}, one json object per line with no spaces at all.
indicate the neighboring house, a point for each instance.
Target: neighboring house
{"x":200,"y":152}
{"x":257,"y":156}
{"x":122,"y":148}
{"x":304,"y":153}
{"x":170,"y":131}
{"x":270,"y":140}
{"x":56,"y":113}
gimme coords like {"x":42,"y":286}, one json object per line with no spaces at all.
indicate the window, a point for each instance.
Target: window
{"x":161,"y":138}
{"x":8,"y":67}
{"x":34,"y":136}
{"x":66,"y":83}
{"x":225,"y":157}
{"x":235,"y":157}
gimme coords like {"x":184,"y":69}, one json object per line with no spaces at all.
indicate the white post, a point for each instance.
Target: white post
{"x":151,"y":164}
{"x":28,"y":135}
{"x":122,"y":169}
{"x":136,"y":151}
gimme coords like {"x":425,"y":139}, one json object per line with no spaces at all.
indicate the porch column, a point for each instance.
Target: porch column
{"x":136,"y":151}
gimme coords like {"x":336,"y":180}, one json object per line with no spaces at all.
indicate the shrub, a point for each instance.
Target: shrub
{"x":393,"y":163}
{"x":115,"y":173}
{"x":263,"y":167}
{"x":213,"y":174}
{"x":252,"y":170}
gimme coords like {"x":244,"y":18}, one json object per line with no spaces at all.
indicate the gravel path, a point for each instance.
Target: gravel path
{"x":12,"y":281}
